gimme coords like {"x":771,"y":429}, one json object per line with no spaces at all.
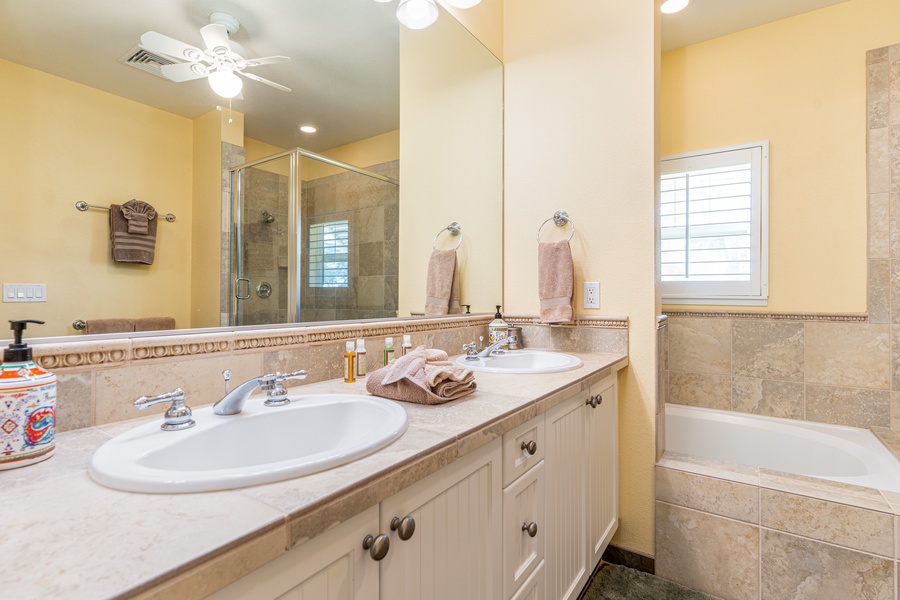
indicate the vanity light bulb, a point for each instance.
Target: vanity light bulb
{"x":225,"y":83}
{"x":417,"y":14}
{"x":462,"y":3}
{"x":673,"y":6}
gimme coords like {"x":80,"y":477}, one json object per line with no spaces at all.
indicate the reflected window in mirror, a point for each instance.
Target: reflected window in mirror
{"x":329,"y":245}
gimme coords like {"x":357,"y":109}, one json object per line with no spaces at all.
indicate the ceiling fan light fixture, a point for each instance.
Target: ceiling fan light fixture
{"x":673,"y":6}
{"x":225,"y":83}
{"x":417,"y":14}
{"x":462,"y":3}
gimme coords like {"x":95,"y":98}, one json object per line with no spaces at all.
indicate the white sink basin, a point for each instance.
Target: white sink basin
{"x":523,"y":361}
{"x":259,"y":445}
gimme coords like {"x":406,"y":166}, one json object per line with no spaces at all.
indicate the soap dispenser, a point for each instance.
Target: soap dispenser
{"x":497,"y":329}
{"x":27,"y":405}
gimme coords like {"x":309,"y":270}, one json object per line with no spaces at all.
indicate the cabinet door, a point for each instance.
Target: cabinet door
{"x":332,"y":566}
{"x":603,"y":468}
{"x":455,"y":550}
{"x":523,"y":507}
{"x":566,"y":495}
{"x":533,"y":588}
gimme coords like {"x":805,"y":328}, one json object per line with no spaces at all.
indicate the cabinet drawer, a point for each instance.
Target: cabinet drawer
{"x":533,"y":588}
{"x":516,"y":445}
{"x":523,"y":509}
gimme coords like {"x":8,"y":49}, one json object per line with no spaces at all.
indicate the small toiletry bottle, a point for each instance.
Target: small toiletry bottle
{"x":406,"y":346}
{"x":349,"y":364}
{"x":360,"y":358}
{"x":497,"y":329}
{"x":388,"y":350}
{"x":27,"y":406}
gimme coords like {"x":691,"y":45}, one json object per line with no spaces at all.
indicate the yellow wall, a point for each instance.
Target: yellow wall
{"x":580,"y":105}
{"x":484,"y":21}
{"x":451,"y":148}
{"x":801,"y":84}
{"x":363,"y":153}
{"x":63,"y":142}
{"x":210,"y":131}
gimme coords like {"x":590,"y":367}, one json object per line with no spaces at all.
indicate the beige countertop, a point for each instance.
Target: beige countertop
{"x":64,"y":536}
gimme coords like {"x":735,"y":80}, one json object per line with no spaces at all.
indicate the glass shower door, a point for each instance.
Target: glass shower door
{"x":263,"y":222}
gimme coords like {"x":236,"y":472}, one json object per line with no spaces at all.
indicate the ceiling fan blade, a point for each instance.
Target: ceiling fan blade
{"x":163,"y":44}
{"x":265,"y":60}
{"x":184,"y":71}
{"x":265,"y":81}
{"x":215,"y":36}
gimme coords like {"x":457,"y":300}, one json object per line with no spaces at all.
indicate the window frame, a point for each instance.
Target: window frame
{"x":317,"y":258}
{"x":726,"y":292}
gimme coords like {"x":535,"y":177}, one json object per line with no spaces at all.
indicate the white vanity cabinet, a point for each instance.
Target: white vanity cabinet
{"x":454,"y":549}
{"x":333,"y":566}
{"x":525,"y":517}
{"x":581,"y":463}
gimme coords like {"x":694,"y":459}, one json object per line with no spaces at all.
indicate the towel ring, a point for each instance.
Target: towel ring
{"x":455,"y":230}
{"x":559,"y":218}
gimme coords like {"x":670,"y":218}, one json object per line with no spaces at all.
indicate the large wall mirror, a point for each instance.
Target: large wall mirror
{"x":85,"y":119}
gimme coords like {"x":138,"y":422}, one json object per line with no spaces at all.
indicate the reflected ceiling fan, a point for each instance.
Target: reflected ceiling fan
{"x":219,"y":62}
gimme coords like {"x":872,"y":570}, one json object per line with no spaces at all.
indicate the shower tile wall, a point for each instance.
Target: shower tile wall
{"x":371,"y":208}
{"x":841,"y":369}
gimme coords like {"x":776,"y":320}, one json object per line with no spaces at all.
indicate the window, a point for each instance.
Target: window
{"x":328,"y":247}
{"x":714,"y":226}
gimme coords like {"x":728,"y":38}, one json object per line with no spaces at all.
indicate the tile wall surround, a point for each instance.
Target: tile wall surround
{"x":786,"y":536}
{"x":99,"y":379}
{"x":833,"y":368}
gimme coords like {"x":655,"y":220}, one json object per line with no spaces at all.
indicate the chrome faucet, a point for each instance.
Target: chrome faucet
{"x":177,"y":417}
{"x":495,"y":347}
{"x":273,"y":384}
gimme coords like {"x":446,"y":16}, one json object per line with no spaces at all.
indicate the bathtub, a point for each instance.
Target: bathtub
{"x":843,"y":454}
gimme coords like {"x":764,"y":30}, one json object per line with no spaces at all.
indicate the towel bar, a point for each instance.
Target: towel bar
{"x":455,"y":229}
{"x":559,"y":218}
{"x":83,"y":206}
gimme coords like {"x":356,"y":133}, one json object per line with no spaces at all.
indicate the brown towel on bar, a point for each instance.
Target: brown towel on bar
{"x":442,"y":284}
{"x":556,"y":281}
{"x":154,"y":323}
{"x":108,"y":326}
{"x":423,"y":377}
{"x":129,"y":247}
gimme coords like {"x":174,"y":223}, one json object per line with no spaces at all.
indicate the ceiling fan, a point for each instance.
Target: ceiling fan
{"x":219,"y":62}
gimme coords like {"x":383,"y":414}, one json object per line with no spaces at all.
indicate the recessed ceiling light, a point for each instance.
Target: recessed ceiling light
{"x":308,"y":129}
{"x":673,"y":6}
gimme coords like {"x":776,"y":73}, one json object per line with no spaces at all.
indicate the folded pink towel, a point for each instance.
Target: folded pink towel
{"x":556,"y":281}
{"x":442,"y":284}
{"x":423,"y":377}
{"x":108,"y":326}
{"x":154,"y":324}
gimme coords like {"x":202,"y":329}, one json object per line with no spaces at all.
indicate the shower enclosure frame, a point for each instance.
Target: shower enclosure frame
{"x":295,"y":221}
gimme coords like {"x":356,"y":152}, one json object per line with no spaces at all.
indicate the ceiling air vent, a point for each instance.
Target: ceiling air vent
{"x":139,"y":58}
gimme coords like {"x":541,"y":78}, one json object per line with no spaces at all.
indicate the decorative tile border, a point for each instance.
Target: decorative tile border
{"x":580,"y":321}
{"x":721,"y":314}
{"x":108,"y":353}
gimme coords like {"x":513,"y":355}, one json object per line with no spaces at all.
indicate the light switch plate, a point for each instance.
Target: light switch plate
{"x":592,"y":294}
{"x":24,"y":292}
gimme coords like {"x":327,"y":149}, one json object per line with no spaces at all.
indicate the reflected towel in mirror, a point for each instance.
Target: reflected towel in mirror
{"x":442,"y":284}
{"x":128,"y":246}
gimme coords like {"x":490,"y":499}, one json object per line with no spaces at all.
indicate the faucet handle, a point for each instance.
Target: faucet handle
{"x":178,"y":415}
{"x":277,"y":393}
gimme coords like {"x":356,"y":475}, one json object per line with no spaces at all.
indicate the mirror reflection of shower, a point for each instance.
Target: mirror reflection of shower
{"x":323,"y":236}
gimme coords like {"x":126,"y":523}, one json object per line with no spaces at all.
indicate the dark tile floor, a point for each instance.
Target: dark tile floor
{"x":615,"y":582}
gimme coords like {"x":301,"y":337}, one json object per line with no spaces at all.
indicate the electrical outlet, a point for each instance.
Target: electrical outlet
{"x":592,"y":294}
